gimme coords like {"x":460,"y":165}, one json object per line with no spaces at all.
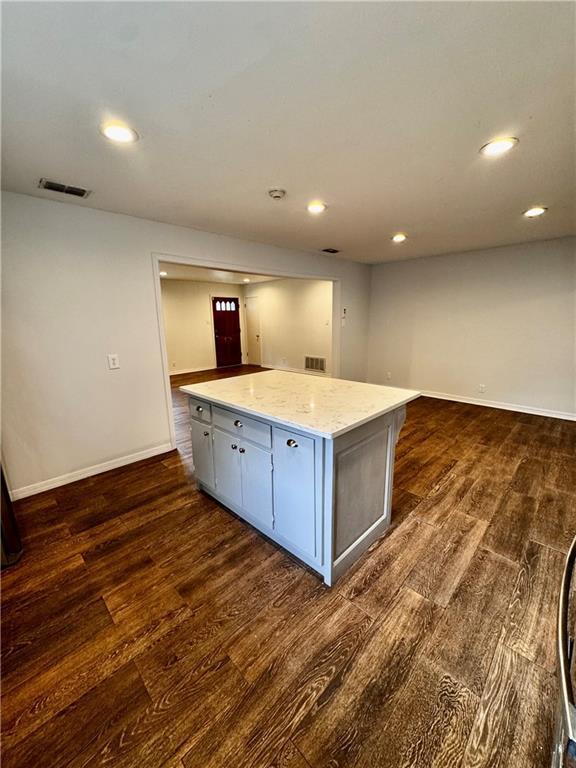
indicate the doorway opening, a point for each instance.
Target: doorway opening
{"x":218,"y":323}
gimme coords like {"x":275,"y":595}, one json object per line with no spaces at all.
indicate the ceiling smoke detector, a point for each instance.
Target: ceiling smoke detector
{"x":277,"y":194}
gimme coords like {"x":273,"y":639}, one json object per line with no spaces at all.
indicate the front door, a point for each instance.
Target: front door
{"x":226,"y":312}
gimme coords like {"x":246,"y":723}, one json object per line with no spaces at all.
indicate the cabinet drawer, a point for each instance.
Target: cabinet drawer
{"x":200,"y":410}
{"x":243,"y":426}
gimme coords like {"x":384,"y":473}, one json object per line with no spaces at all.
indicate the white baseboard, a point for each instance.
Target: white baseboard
{"x":80,"y":474}
{"x":190,"y":370}
{"x":503,"y":406}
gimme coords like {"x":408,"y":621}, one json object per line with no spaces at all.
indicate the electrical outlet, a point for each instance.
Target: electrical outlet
{"x":481,"y":387}
{"x":388,"y":375}
{"x":113,"y":361}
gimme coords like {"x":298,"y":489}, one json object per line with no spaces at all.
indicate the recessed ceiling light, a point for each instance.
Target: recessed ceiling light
{"x":399,"y":237}
{"x":118,"y":132}
{"x":246,"y":280}
{"x":316,"y":206}
{"x":537,"y":210}
{"x":163,"y":274}
{"x":498,"y":147}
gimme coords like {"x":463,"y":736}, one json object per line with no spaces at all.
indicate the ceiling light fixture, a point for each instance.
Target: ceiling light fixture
{"x":316,"y":207}
{"x":246,"y":280}
{"x":537,"y":210}
{"x":118,"y":132}
{"x":498,"y":147}
{"x":163,"y":274}
{"x":399,"y":237}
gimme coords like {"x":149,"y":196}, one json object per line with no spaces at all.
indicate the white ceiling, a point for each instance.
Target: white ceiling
{"x":377,"y":108}
{"x":205,"y":275}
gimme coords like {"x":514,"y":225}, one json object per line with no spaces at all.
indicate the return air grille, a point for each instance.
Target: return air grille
{"x":65,"y":189}
{"x":315,"y":364}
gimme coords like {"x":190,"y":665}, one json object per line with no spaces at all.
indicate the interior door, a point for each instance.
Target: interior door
{"x":226,"y":313}
{"x":253,"y":330}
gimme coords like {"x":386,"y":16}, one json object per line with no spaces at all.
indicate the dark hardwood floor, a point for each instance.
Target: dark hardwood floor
{"x":146,"y":626}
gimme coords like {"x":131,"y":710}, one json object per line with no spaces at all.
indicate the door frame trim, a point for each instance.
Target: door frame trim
{"x":192,"y":261}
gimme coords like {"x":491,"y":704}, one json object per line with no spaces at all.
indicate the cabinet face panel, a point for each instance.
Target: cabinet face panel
{"x":257,"y":482}
{"x":227,"y":466}
{"x":202,"y":452}
{"x":360,"y":487}
{"x":294,"y":490}
{"x":243,"y":426}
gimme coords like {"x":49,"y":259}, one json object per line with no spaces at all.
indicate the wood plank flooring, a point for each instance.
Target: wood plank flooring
{"x":146,"y":626}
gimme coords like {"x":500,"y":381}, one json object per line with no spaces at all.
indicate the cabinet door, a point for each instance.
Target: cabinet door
{"x":202,"y":453}
{"x":294,"y":492}
{"x":227,"y":466}
{"x":256,"y":482}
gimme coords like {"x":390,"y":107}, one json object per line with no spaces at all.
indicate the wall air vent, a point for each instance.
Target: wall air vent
{"x":317,"y":364}
{"x":330,"y":250}
{"x":65,"y":189}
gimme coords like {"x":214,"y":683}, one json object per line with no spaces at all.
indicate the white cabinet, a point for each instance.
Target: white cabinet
{"x":244,"y":477}
{"x":227,"y":467}
{"x":256,"y":465}
{"x":294,"y":490}
{"x":269,"y":478}
{"x":202,"y":452}
{"x":324,"y":499}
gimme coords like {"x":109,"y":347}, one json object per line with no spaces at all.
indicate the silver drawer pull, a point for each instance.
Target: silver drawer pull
{"x":238,"y":423}
{"x":242,"y":450}
{"x":206,"y":434}
{"x":233,"y":446}
{"x":291,"y":443}
{"x":199,"y":408}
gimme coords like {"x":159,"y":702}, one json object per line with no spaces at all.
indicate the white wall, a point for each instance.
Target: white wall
{"x":188,"y":324}
{"x":295,"y":320}
{"x":78,"y":283}
{"x":503,"y":317}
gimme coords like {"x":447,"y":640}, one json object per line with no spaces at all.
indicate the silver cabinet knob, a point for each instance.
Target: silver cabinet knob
{"x":199,"y":408}
{"x":242,"y":450}
{"x":291,"y":443}
{"x":238,"y":423}
{"x":206,"y":434}
{"x":234,"y":446}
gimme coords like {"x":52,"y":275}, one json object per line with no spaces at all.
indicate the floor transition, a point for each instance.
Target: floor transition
{"x":146,"y":626}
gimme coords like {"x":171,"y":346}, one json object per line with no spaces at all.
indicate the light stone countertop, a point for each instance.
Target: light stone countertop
{"x":323,"y":406}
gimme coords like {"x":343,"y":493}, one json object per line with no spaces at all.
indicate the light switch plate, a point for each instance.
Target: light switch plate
{"x":113,"y":361}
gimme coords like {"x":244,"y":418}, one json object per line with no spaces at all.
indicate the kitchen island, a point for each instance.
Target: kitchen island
{"x":307,"y":460}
